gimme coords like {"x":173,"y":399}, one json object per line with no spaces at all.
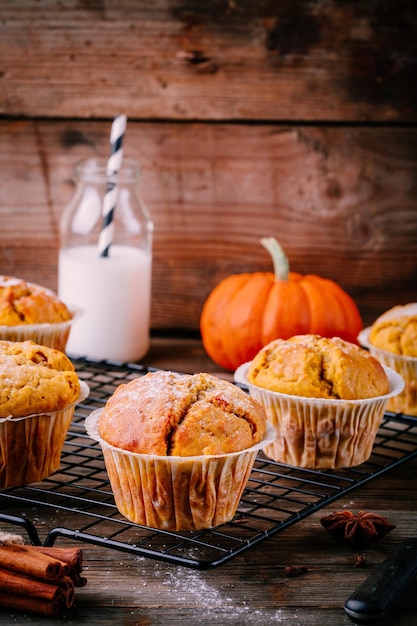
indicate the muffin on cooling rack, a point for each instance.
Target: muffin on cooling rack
{"x":325,"y":397}
{"x":29,"y":311}
{"x":179,"y":448}
{"x":38,"y":392}
{"x":392,"y":339}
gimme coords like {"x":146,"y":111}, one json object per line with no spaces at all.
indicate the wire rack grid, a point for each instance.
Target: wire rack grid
{"x":275,"y":497}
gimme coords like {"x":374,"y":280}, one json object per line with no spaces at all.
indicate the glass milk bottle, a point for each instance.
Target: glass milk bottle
{"x":113,"y":291}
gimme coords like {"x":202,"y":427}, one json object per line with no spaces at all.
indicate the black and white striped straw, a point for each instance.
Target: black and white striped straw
{"x":114,"y":164}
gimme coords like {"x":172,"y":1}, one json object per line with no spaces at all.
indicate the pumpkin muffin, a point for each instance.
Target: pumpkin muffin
{"x":29,"y":311}
{"x":324,"y":396}
{"x":392,"y":339}
{"x":318,"y":367}
{"x":179,"y":448}
{"x":38,"y":392}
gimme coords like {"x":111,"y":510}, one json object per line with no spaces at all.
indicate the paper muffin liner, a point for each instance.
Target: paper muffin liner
{"x":319,"y":433}
{"x":31,"y":446}
{"x":173,"y":492}
{"x":53,"y":335}
{"x":406,"y":366}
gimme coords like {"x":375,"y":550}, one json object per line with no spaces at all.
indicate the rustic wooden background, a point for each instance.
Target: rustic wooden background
{"x":292,"y":119}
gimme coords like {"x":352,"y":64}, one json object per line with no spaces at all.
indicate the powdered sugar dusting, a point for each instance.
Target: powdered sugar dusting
{"x":9,"y":281}
{"x":188,"y":588}
{"x":399,"y":311}
{"x":13,"y":281}
{"x":167,"y":413}
{"x":152,"y":385}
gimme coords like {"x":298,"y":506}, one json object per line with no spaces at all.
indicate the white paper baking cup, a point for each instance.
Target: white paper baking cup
{"x":174,"y":492}
{"x":53,"y":335}
{"x":319,"y":433}
{"x":406,"y":366}
{"x":31,"y":446}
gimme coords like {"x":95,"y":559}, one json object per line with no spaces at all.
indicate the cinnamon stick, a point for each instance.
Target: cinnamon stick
{"x":21,"y":558}
{"x":68,"y":587}
{"x":11,"y":582}
{"x":49,"y":608}
{"x":39,"y":580}
{"x":73,"y":557}
{"x":79,"y":581}
{"x":30,"y":594}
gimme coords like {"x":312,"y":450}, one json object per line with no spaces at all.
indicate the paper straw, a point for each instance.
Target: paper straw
{"x":110,"y":197}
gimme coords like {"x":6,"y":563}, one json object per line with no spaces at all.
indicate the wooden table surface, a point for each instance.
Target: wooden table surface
{"x":251,"y":588}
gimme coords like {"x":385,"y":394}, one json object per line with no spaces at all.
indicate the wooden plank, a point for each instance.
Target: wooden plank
{"x":252,"y":588}
{"x":342,"y":202}
{"x":188,"y":60}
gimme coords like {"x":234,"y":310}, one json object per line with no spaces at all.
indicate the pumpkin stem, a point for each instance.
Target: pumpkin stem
{"x":280,"y":261}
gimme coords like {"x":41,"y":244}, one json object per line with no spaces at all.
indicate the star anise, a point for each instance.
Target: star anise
{"x":358,"y":531}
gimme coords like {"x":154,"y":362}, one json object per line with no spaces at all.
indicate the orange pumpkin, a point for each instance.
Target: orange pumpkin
{"x":244,"y":312}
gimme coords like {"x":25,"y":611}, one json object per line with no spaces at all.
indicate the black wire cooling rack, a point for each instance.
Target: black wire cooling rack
{"x":276,"y":495}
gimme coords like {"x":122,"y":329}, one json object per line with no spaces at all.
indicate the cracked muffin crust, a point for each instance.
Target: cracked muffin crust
{"x":172,"y":414}
{"x":38,"y":392}
{"x":396,"y":330}
{"x":28,"y":303}
{"x":392,"y":339}
{"x":317,"y":367}
{"x":34,"y":379}
{"x":325,"y":398}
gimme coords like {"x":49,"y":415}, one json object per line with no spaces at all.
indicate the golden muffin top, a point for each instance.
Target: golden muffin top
{"x":172,"y":414}
{"x":34,"y":379}
{"x":28,"y":303}
{"x":318,"y":367}
{"x":396,"y":330}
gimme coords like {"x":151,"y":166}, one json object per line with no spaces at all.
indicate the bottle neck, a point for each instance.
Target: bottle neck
{"x":82,"y":221}
{"x":94,"y":171}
